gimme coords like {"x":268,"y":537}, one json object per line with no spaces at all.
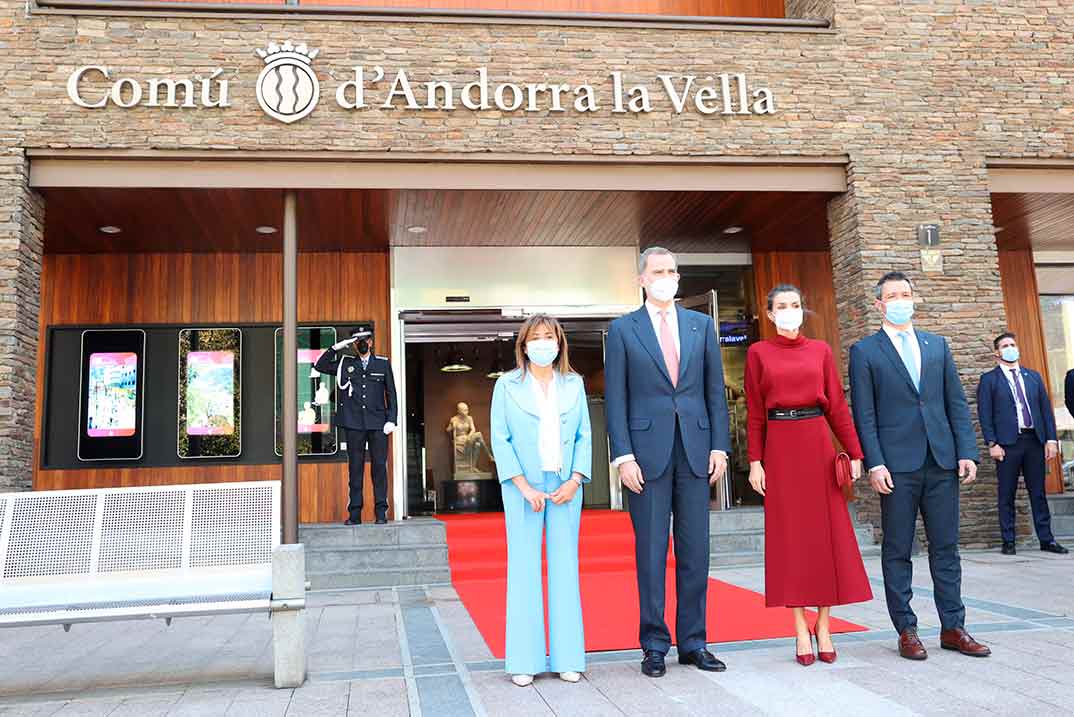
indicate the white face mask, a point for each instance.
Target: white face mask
{"x":663,"y":289}
{"x":788,"y":319}
{"x":542,"y":352}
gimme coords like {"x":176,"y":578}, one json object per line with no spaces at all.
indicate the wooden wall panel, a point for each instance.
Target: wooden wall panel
{"x":700,"y":8}
{"x":1021,"y":301}
{"x":211,"y":288}
{"x":811,"y":271}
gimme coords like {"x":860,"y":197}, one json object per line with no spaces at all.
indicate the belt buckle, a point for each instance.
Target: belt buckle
{"x":794,"y":413}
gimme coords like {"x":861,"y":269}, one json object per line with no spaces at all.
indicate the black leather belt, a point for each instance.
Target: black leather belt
{"x":1028,"y":430}
{"x":794,"y":414}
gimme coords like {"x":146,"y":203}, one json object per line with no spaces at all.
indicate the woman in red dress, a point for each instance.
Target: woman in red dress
{"x":811,"y":553}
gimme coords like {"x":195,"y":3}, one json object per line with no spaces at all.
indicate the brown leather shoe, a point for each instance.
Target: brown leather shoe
{"x":958,"y":639}
{"x":910,"y":645}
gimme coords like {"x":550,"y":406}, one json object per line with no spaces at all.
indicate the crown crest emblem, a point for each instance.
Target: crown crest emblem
{"x":287,"y":88}
{"x":289,"y":50}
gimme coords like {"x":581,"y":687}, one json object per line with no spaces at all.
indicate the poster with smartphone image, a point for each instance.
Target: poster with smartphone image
{"x":210,"y":390}
{"x":110,"y":394}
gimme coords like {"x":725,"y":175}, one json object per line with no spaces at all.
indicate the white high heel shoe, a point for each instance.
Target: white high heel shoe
{"x":522,"y":680}
{"x":570,"y":676}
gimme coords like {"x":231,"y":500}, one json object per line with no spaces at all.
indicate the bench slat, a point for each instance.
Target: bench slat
{"x":144,"y":605}
{"x":136,"y":613}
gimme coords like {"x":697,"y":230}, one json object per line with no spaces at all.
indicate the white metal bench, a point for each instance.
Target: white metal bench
{"x":77,"y":556}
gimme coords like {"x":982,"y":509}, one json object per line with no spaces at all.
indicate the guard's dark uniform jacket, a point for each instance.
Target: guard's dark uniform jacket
{"x":370,"y":400}
{"x":365,"y":401}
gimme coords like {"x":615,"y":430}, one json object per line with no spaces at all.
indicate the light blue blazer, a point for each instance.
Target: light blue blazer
{"x":516,"y":423}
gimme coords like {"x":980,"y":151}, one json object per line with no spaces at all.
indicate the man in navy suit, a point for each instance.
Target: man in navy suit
{"x":667,"y":420}
{"x":1019,"y":427}
{"x":914,"y":425}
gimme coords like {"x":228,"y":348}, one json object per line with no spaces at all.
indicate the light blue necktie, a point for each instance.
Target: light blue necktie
{"x":909,"y":359}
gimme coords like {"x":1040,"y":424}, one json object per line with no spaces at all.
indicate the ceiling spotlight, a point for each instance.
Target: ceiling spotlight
{"x":110,"y":229}
{"x":265,"y":229}
{"x":733,"y":230}
{"x":417,"y":229}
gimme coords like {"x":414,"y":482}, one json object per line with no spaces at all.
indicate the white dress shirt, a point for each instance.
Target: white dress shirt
{"x":1014,"y":391}
{"x":673,"y":322}
{"x":1017,"y":404}
{"x":548,"y":431}
{"x":915,"y":347}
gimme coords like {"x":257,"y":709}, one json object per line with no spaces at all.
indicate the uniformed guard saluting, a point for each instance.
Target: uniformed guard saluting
{"x":366,"y":410}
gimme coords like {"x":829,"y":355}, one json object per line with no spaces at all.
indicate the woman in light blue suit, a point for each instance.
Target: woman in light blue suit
{"x":544,"y":453}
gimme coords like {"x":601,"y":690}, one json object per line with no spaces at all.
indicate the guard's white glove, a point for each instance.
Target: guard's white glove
{"x":344,"y":343}
{"x":389,"y":428}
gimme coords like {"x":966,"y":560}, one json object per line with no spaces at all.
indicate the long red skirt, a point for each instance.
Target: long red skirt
{"x":811,"y":555}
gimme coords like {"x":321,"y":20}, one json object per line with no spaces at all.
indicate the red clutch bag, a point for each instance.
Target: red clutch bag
{"x":844,"y":476}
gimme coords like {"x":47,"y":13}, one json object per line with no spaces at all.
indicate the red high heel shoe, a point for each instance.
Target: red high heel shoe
{"x":828,"y":657}
{"x":805,"y":660}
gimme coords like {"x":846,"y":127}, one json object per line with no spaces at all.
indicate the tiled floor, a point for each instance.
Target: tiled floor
{"x":415,"y":651}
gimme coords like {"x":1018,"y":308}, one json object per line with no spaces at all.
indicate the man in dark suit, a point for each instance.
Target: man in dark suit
{"x":914,"y":424}
{"x":667,"y":421}
{"x":1018,"y":424}
{"x":366,"y":410}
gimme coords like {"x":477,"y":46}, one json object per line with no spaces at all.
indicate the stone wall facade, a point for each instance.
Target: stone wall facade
{"x":21,"y":233}
{"x":916,"y":95}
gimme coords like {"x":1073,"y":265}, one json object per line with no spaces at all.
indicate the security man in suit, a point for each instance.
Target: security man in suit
{"x":366,"y":410}
{"x":1019,"y":427}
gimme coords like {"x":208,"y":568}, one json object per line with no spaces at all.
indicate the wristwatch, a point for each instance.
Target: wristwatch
{"x":576,"y":479}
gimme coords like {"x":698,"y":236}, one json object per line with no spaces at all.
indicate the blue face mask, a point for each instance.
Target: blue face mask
{"x":542,"y":352}
{"x":899,"y":311}
{"x":1009,"y":353}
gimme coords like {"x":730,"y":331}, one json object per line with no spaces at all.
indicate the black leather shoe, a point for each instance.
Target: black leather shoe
{"x":653,"y":664}
{"x":1008,"y":549}
{"x":1054,"y":547}
{"x":352,"y":521}
{"x":382,"y":521}
{"x":703,"y":660}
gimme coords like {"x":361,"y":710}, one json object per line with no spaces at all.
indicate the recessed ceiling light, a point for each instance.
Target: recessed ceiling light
{"x":110,"y":229}
{"x":732,"y":230}
{"x":417,"y":229}
{"x":265,"y":229}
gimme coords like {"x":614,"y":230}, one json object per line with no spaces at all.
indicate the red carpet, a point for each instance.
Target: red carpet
{"x":477,"y":552}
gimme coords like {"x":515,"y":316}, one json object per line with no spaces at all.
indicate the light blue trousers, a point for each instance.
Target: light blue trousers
{"x":526,"y":653}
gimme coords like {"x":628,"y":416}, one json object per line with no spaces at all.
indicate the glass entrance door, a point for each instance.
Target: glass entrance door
{"x":452,"y":360}
{"x":720,"y":495}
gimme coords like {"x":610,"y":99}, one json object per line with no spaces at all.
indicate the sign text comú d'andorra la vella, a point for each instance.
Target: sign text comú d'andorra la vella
{"x":288,"y":90}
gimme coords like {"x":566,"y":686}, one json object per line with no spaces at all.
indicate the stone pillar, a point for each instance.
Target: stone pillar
{"x":873,"y":230}
{"x":22,"y":213}
{"x":289,"y":620}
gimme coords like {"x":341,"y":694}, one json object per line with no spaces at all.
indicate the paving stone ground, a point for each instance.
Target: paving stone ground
{"x":415,"y":651}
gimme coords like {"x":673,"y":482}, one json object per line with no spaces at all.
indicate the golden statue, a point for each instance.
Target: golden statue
{"x":468,"y":445}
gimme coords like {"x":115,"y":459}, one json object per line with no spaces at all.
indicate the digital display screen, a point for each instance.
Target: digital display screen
{"x":111,"y":384}
{"x":112,"y":406}
{"x":210,"y":393}
{"x":734,"y":332}
{"x":210,"y":386}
